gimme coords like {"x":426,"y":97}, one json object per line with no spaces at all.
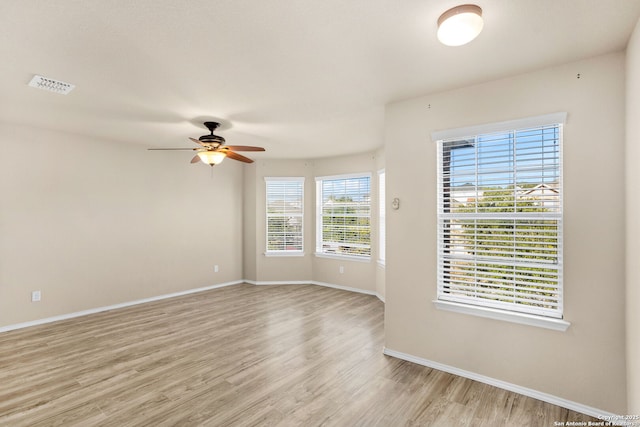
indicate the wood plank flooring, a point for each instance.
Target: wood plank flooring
{"x":240,"y":356}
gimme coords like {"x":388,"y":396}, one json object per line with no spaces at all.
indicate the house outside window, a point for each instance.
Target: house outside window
{"x":284,"y":215}
{"x":343,"y":216}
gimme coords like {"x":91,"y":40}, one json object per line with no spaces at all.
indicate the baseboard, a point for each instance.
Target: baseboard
{"x":177,"y":294}
{"x":343,"y":288}
{"x":314,"y":282}
{"x":113,"y":307}
{"x":277,"y":282}
{"x":545,"y":397}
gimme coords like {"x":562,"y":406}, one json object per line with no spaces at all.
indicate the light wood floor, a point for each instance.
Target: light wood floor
{"x":242,"y":355}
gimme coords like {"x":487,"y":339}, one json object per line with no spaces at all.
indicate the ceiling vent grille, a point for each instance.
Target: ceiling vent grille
{"x":51,"y":85}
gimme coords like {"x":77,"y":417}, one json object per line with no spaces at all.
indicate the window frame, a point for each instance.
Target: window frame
{"x":320,"y":252}
{"x":382,"y":217}
{"x":476,"y":306}
{"x":286,"y":252}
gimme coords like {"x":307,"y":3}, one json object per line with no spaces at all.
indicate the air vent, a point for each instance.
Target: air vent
{"x":51,"y":85}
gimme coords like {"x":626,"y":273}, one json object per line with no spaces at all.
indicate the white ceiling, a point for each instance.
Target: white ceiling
{"x":303,"y":78}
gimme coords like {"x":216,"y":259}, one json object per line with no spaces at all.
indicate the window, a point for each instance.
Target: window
{"x":382,"y":217}
{"x":285,"y":209}
{"x":344,"y":216}
{"x":500,"y":220}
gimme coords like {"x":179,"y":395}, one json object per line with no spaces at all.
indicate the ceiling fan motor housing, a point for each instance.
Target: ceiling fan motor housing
{"x":212,"y":139}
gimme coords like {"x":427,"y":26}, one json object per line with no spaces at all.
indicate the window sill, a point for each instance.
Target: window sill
{"x":507,"y":316}
{"x":284,"y":254}
{"x":382,"y":263}
{"x":343,"y":257}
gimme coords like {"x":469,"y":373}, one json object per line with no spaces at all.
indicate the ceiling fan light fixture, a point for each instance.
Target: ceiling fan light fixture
{"x":459,"y":25}
{"x":212,"y":158}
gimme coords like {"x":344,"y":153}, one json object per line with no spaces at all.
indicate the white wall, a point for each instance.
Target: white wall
{"x":633,"y":222}
{"x":249,"y":222}
{"x":94,"y":223}
{"x":356,"y":274}
{"x":585,"y":364}
{"x":283,"y":268}
{"x":361,"y":275}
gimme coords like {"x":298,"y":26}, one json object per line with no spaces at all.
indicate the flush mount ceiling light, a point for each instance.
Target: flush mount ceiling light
{"x":45,"y":83}
{"x":460,"y":25}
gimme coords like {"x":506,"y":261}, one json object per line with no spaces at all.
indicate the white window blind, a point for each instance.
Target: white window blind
{"x":382,"y":216}
{"x":285,"y":210}
{"x":500,"y":220}
{"x":344,"y":215}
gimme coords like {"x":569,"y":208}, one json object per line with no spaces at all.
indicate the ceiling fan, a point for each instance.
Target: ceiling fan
{"x":213,"y":149}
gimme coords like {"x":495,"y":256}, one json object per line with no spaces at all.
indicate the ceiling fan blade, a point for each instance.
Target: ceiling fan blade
{"x":242,"y":148}
{"x":160,"y":149}
{"x":195,"y":159}
{"x":236,"y":156}
{"x":196,"y":141}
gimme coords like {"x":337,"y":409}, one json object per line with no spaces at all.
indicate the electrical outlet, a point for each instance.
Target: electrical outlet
{"x":341,"y":269}
{"x":36,"y":296}
{"x":215,"y":269}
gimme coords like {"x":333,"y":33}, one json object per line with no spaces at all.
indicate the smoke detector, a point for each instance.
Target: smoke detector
{"x":45,"y":83}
